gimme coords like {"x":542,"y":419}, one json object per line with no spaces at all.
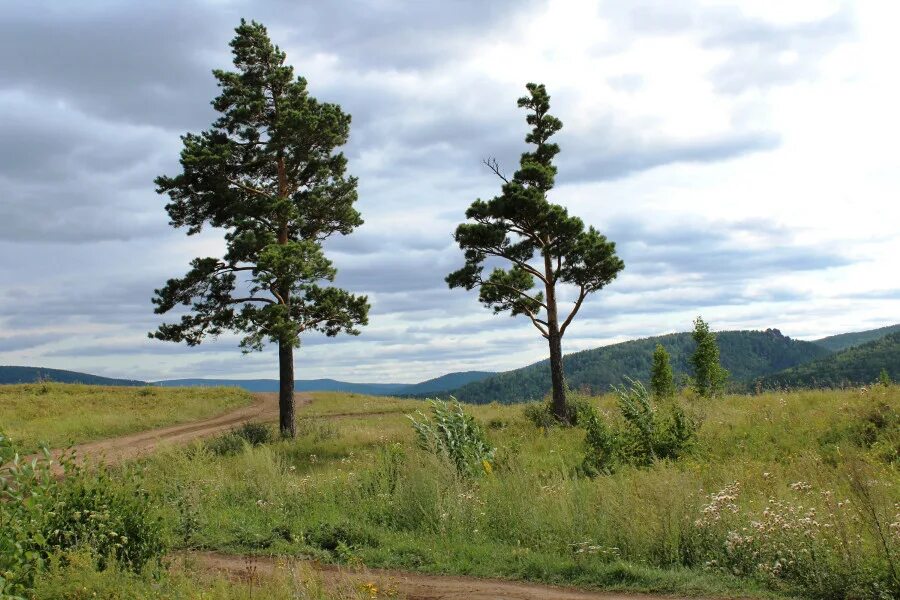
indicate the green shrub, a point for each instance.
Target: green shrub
{"x":454,"y":434}
{"x":646,"y":434}
{"x":256,"y":434}
{"x":42,"y":515}
{"x":225,"y":445}
{"x":542,"y":416}
{"x":233,"y":442}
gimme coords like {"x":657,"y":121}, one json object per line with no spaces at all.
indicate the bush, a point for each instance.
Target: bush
{"x":542,"y":416}
{"x":41,"y":515}
{"x":255,"y":434}
{"x":643,"y":437}
{"x":452,"y":433}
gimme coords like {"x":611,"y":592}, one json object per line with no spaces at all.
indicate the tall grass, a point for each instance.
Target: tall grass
{"x":58,"y":414}
{"x":791,"y":493}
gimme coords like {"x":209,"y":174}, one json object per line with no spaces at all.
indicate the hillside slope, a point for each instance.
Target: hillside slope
{"x":35,"y":374}
{"x":300,"y":385}
{"x":842,"y":341}
{"x":446,"y":382}
{"x":859,"y":365}
{"x":746,"y":354}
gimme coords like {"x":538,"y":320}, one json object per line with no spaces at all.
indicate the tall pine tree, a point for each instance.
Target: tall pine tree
{"x":662,"y":381}
{"x":709,"y":375}
{"x":267,"y":172}
{"x":538,"y":240}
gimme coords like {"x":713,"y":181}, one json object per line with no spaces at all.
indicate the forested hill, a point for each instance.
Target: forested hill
{"x":859,"y":365}
{"x":746,"y":354}
{"x":445,"y":382}
{"x":842,"y":341}
{"x":34,"y":374}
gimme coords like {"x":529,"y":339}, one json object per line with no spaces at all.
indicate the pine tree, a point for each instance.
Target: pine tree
{"x":268,"y":173}
{"x":539,"y":241}
{"x":662,"y":380}
{"x":884,"y":379}
{"x":709,"y":376}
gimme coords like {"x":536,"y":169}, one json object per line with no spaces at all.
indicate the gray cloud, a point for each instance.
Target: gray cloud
{"x":93,"y":100}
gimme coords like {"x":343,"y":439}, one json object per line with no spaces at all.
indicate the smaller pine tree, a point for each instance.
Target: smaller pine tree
{"x":662,"y":381}
{"x":709,"y":376}
{"x":884,"y":379}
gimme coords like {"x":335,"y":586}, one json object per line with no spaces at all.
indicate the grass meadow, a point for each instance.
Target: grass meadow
{"x":59,"y":414}
{"x":785,"y":494}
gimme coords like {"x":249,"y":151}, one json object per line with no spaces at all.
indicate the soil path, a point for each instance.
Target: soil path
{"x":128,"y":447}
{"x":411,"y":586}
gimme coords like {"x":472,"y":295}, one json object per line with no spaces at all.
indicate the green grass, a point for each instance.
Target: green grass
{"x":344,"y":404}
{"x":356,"y":489}
{"x":59,"y":414}
{"x":785,"y":495}
{"x":75,"y":576}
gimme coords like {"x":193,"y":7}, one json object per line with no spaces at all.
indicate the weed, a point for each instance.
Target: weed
{"x":454,"y":434}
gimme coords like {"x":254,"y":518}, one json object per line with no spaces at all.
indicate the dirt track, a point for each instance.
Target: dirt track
{"x":120,"y":449}
{"x":412,"y":586}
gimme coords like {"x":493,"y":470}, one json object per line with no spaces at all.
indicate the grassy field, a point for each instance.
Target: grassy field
{"x":59,"y":414}
{"x":785,"y":494}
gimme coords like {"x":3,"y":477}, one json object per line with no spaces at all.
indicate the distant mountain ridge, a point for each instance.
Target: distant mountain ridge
{"x":746,"y":354}
{"x":750,"y":356}
{"x":300,"y":385}
{"x":14,"y":374}
{"x":856,"y":365}
{"x":842,"y":341}
{"x":438,"y":384}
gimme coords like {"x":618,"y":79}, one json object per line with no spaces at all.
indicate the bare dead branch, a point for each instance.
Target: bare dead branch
{"x":492,"y":164}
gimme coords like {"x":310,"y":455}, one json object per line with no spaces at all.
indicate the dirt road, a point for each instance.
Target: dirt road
{"x":128,"y":447}
{"x":412,"y":586}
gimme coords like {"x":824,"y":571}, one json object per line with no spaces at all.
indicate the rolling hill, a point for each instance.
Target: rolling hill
{"x":746,"y":354}
{"x":842,"y":341}
{"x":438,"y":384}
{"x":446,"y":382}
{"x":300,"y":385}
{"x":10,"y":375}
{"x":857,"y":365}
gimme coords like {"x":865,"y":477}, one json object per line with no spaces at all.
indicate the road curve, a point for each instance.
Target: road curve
{"x":120,"y":449}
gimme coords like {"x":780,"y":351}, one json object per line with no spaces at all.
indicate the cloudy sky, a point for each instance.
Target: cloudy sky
{"x":742,"y":155}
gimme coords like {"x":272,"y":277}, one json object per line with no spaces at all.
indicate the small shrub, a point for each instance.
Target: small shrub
{"x":643,"y":437}
{"x":41,"y":515}
{"x":226,"y":445}
{"x":454,"y":434}
{"x":336,"y":537}
{"x":233,"y":442}
{"x":603,"y":447}
{"x":542,"y":416}
{"x":497,"y":423}
{"x":256,"y":434}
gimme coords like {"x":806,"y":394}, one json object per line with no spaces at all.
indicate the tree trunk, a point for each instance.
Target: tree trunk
{"x":286,"y":389}
{"x":554,"y":337}
{"x":558,"y":377}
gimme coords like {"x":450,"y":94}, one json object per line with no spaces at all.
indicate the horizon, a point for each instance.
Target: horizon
{"x":395,"y":382}
{"x":742,"y":157}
